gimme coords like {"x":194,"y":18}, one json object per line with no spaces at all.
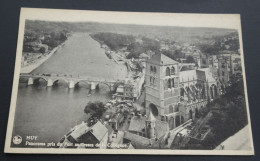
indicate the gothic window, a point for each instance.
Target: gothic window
{"x":204,"y":61}
{"x":151,"y":80}
{"x":170,"y":109}
{"x":190,"y":114}
{"x":167,"y":71}
{"x":182,"y":119}
{"x":149,"y":125}
{"x":165,"y":84}
{"x":176,"y":108}
{"x":223,"y":73}
{"x":172,"y":71}
{"x":151,"y":69}
{"x":169,"y":83}
{"x":173,"y":83}
{"x":154,"y":69}
{"x":182,"y":92}
{"x":162,"y":118}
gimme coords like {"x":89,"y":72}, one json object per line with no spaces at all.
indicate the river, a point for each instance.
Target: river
{"x":50,"y":112}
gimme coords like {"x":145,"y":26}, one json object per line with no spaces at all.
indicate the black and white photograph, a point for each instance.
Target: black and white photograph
{"x":102,"y":82}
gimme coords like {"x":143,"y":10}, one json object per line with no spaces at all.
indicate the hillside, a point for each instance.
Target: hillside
{"x":162,"y":32}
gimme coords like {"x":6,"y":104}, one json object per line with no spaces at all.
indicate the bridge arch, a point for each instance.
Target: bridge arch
{"x":42,"y":78}
{"x":60,"y":80}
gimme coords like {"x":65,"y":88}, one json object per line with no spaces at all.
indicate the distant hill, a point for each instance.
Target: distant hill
{"x":161,"y":32}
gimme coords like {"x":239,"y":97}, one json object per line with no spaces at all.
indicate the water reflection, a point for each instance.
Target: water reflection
{"x":50,"y":112}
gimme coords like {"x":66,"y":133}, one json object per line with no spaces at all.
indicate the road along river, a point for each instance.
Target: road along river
{"x":50,"y":112}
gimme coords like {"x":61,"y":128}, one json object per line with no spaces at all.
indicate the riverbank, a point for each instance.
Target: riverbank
{"x":33,"y":66}
{"x":64,"y":107}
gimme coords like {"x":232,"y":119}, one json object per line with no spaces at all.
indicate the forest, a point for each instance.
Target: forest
{"x":135,"y":47}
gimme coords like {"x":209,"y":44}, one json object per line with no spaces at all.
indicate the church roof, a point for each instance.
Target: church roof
{"x":137,"y":141}
{"x":209,"y":74}
{"x":80,"y":130}
{"x":188,"y":75}
{"x":161,"y":59}
{"x":161,"y":128}
{"x":99,"y":130}
{"x":137,"y":124}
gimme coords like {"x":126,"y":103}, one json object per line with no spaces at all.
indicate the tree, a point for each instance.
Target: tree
{"x":169,"y":53}
{"x":95,"y":109}
{"x":209,"y":49}
{"x":139,"y":66}
{"x":42,"y":50}
{"x":125,"y":113}
{"x":190,"y":59}
{"x":225,"y":115}
{"x":179,"y":54}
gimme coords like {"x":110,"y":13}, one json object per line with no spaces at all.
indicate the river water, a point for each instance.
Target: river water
{"x":50,"y":112}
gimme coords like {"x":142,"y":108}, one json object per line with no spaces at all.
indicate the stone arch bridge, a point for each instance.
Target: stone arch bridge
{"x":71,"y":80}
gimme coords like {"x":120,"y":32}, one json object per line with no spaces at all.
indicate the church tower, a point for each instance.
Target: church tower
{"x":162,"y":86}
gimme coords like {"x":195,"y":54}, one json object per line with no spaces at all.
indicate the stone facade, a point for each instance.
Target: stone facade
{"x":162,"y":85}
{"x":176,"y":96}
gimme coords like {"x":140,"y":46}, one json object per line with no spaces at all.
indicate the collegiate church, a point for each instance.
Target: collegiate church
{"x":176,"y":96}
{"x":173,"y":97}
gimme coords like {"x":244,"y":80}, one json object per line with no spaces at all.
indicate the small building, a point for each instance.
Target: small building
{"x":116,"y":120}
{"x":83,"y":136}
{"x":131,"y":89}
{"x":147,"y":132}
{"x":144,"y":57}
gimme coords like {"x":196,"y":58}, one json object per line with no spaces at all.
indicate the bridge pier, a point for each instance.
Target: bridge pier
{"x":71,"y":84}
{"x":49,"y":83}
{"x":93,"y":86}
{"x":30,"y":81}
{"x":112,"y":88}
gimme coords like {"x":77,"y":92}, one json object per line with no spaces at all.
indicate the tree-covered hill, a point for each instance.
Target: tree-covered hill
{"x":162,"y":32}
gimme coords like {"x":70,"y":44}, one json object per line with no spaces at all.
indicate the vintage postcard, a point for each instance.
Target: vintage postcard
{"x":99,"y":82}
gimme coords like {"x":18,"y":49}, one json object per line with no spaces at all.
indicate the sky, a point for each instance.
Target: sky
{"x":230,"y":21}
